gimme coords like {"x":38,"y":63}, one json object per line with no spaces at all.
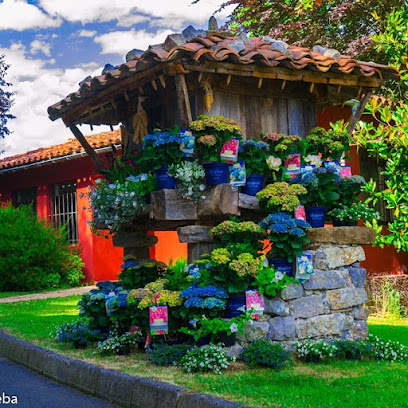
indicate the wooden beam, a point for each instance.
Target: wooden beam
{"x":360,"y":109}
{"x":183,"y":100}
{"x":89,"y":150}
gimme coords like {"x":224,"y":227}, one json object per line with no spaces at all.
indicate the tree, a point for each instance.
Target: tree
{"x":6,"y":100}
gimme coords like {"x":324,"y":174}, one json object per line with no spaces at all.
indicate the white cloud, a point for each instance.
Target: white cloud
{"x":132,"y":19}
{"x":87,"y":33}
{"x":37,"y":88}
{"x":120,"y":42}
{"x":42,"y":46}
{"x":18,"y":15}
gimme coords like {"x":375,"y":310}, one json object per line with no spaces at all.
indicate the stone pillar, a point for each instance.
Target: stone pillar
{"x":134,"y":243}
{"x":198,"y":239}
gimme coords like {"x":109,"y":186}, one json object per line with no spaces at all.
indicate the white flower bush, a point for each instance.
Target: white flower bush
{"x":207,"y":358}
{"x":314,"y":349}
{"x":388,"y":350}
{"x":313,"y":160}
{"x":189,"y":176}
{"x":114,"y":344}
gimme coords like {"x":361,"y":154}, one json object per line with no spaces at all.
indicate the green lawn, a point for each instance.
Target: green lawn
{"x":350,"y":384}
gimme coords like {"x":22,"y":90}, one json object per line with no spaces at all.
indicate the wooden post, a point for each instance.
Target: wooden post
{"x":360,"y":109}
{"x":183,"y":100}
{"x":91,"y":152}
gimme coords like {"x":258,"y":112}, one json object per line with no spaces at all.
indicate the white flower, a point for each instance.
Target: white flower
{"x":273,"y":162}
{"x":201,"y":187}
{"x":313,"y":159}
{"x":278,"y":276}
{"x":233,"y":328}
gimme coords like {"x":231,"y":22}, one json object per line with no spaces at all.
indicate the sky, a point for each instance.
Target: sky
{"x":52,"y":45}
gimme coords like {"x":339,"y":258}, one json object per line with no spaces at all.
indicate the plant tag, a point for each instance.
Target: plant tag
{"x":229,"y":150}
{"x":345,"y":171}
{"x":187,"y":142}
{"x":304,"y":168}
{"x":159,"y":322}
{"x":304,"y":267}
{"x":255,"y":301}
{"x":237,"y":174}
{"x":300,"y":213}
{"x":292,"y":164}
{"x":334,"y":164}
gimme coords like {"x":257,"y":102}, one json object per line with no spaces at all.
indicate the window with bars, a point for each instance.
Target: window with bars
{"x":64,"y":208}
{"x":27,"y":196}
{"x":371,"y":168}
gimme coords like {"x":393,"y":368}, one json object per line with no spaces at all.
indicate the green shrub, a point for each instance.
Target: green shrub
{"x":33,"y":254}
{"x":136,"y":274}
{"x":77,"y":332}
{"x":264,"y":353}
{"x":163,"y":354}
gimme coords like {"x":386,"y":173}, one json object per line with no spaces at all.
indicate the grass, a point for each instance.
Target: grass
{"x":350,"y":384}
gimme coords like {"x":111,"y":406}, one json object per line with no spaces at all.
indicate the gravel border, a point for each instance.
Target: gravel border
{"x":118,"y":388}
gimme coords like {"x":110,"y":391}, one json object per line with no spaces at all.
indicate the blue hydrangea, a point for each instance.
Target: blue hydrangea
{"x":297,"y":232}
{"x":303,"y":224}
{"x":319,"y":170}
{"x":206,"y":291}
{"x":122,"y":300}
{"x":129,"y":264}
{"x":160,"y":138}
{"x":332,"y":169}
{"x":278,"y":228}
{"x":194,"y":301}
{"x":213,"y":303}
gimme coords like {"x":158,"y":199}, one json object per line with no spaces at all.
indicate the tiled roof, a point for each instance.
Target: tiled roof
{"x":71,"y":147}
{"x":216,"y":47}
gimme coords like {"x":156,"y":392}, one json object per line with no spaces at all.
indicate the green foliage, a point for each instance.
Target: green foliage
{"x":76,"y":332}
{"x":349,"y":189}
{"x":281,"y":145}
{"x":206,"y":359}
{"x":388,"y":303}
{"x":116,"y":344}
{"x":269,"y":281}
{"x":264,"y":353}
{"x":355,"y":212}
{"x":165,"y":355}
{"x":33,"y":254}
{"x":254,"y":154}
{"x":388,"y":142}
{"x":6,"y":100}
{"x":136,"y":274}
{"x":92,"y":305}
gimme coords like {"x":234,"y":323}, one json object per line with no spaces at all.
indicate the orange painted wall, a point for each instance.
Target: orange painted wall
{"x":379,"y":261}
{"x":168,"y":247}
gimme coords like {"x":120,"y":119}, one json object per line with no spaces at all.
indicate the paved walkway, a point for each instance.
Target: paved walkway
{"x":47,"y":295}
{"x":35,"y":391}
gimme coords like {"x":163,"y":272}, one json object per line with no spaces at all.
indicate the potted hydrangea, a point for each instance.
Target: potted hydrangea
{"x":284,"y":145}
{"x":212,"y":132}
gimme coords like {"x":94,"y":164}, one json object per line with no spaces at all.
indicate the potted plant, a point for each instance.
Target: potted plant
{"x":281,"y":197}
{"x":284,"y":145}
{"x":254,"y":155}
{"x":212,"y":132}
{"x":348,"y":216}
{"x":159,"y":151}
{"x":288,"y":237}
{"x":322,"y":193}
{"x":270,"y":280}
{"x":349,"y":189}
{"x":189,"y":176}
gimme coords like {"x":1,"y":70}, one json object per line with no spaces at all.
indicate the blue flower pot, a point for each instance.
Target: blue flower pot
{"x":234,"y":306}
{"x":216,"y":173}
{"x":253,"y":184}
{"x":344,"y":223}
{"x":282,"y":265}
{"x":315,"y":216}
{"x":164,"y":180}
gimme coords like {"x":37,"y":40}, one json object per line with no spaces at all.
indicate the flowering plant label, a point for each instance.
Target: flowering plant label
{"x":306,"y":167}
{"x":334,"y":164}
{"x":229,"y":150}
{"x":237,"y":174}
{"x":345,"y":171}
{"x":304,"y":267}
{"x":187,"y":142}
{"x":300,"y":213}
{"x":255,"y":301}
{"x":159,"y":321}
{"x":292,"y":164}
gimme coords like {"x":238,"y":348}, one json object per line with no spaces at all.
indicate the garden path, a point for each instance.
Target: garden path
{"x":47,"y":295}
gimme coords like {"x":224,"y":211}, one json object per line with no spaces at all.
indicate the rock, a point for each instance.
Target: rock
{"x":220,"y":200}
{"x":277,"y":45}
{"x":360,"y":313}
{"x":189,"y":33}
{"x":358,"y":276}
{"x":276,"y":307}
{"x":173,"y":40}
{"x":325,"y":325}
{"x":194,"y":234}
{"x":282,"y":328}
{"x":335,"y":256}
{"x":331,"y":52}
{"x":342,"y":235}
{"x":235,"y":351}
{"x":132,"y":239}
{"x":323,"y":280}
{"x":245,"y":39}
{"x":292,"y":291}
{"x":248,"y":202}
{"x":347,"y":297}
{"x":308,"y":306}
{"x":255,"y":330}
{"x":320,"y":261}
{"x":212,"y":24}
{"x":359,"y":329}
{"x":167,"y":205}
{"x":319,"y":48}
{"x":237,"y":45}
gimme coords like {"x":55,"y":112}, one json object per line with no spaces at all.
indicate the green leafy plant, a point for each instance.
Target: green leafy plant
{"x":165,"y":355}
{"x":116,"y":344}
{"x":264,"y":353}
{"x":349,"y":189}
{"x":281,"y":197}
{"x":206,"y":359}
{"x":355,"y":212}
{"x":137,"y":273}
{"x":254,"y":154}
{"x":269,"y":281}
{"x":189,"y":176}
{"x":284,"y":145}
{"x":34,"y":254}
